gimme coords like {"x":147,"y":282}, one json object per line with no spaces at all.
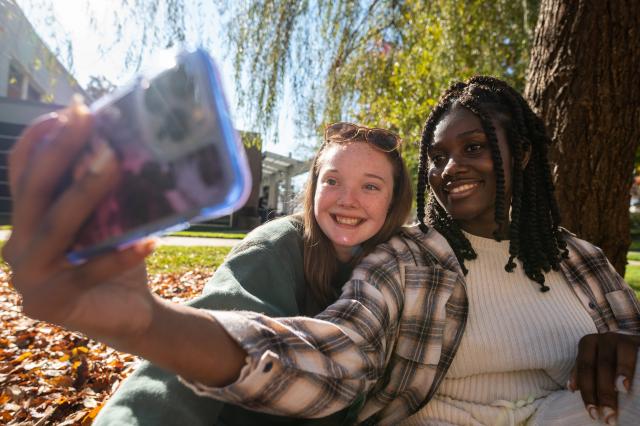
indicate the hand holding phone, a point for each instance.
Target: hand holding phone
{"x":180,"y":157}
{"x":46,"y":222}
{"x":64,"y":170}
{"x":152,"y":156}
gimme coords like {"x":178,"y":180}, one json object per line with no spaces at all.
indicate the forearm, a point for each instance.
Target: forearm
{"x":189,"y":342}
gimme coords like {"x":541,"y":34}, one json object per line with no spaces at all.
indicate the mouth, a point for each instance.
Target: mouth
{"x":347,"y":220}
{"x":457,"y":190}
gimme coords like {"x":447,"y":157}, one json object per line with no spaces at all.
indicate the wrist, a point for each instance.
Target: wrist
{"x":186,"y":341}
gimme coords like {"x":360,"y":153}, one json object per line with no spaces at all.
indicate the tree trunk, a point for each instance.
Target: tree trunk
{"x":584,"y":81}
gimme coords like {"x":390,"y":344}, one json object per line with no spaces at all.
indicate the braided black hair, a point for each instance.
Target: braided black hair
{"x":535,"y":237}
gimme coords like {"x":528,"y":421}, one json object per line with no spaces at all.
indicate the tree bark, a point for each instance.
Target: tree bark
{"x":584,"y":81}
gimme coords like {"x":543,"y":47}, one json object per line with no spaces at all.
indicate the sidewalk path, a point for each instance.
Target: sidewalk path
{"x":174,"y":241}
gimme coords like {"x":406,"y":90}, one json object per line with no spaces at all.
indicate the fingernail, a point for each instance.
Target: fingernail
{"x":622,"y":384}
{"x":145,"y":247}
{"x":77,"y":105}
{"x":62,"y":120}
{"x":101,"y":157}
{"x":76,"y":100}
{"x":570,"y":386}
{"x":58,"y":123}
{"x":593,"y":411}
{"x":609,"y":416}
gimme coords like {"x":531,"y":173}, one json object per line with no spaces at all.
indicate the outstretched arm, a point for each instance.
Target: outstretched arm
{"x":264,"y":274}
{"x":90,"y":298}
{"x":343,"y":351}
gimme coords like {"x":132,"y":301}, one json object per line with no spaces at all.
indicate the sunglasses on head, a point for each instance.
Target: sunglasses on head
{"x":382,"y":139}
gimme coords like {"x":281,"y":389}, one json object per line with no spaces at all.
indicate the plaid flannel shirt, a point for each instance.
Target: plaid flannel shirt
{"x":390,"y":338}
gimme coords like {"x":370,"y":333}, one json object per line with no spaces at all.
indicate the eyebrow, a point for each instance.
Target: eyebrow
{"x":470,"y":132}
{"x":476,"y":131}
{"x":370,"y":175}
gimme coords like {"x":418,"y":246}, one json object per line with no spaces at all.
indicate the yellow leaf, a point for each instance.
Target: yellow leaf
{"x":64,"y":357}
{"x":22,"y":357}
{"x":88,"y":418}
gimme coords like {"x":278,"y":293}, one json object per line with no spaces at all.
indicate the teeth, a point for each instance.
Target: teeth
{"x":347,"y":220}
{"x":463,"y":187}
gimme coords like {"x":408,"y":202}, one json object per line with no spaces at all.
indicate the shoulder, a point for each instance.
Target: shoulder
{"x":413,"y":247}
{"x":283,"y":231}
{"x":588,"y":264}
{"x":579,"y":248}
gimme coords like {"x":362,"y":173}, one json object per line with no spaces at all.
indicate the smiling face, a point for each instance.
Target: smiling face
{"x":461,"y":172}
{"x":353,"y":194}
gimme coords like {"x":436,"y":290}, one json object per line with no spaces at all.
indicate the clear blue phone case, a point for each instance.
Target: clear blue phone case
{"x":180,"y":158}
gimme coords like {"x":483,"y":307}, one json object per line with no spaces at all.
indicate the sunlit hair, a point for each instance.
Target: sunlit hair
{"x":320,"y":258}
{"x":534,"y":230}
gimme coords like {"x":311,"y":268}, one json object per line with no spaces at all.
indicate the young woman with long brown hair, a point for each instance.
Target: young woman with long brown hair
{"x":357,"y":195}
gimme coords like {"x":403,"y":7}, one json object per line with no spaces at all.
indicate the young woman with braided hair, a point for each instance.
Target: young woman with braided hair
{"x":534,"y":218}
{"x":443,"y":324}
{"x":484,"y":170}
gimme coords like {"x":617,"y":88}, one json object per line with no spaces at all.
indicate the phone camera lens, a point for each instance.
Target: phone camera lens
{"x":177,"y":124}
{"x":152,"y":100}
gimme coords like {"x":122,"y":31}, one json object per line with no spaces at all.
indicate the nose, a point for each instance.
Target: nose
{"x":347,"y":198}
{"x":453,"y":166}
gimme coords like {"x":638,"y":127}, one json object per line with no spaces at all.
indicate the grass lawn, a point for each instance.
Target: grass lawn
{"x":633,"y":255}
{"x":178,"y":259}
{"x":632,"y":276}
{"x":208,"y":234}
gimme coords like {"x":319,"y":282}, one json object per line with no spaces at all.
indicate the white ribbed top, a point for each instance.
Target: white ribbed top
{"x":519,"y":344}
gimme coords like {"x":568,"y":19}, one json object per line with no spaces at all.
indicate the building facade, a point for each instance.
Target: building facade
{"x":29,"y":71}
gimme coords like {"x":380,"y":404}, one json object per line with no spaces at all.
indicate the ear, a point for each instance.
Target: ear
{"x":526,"y":156}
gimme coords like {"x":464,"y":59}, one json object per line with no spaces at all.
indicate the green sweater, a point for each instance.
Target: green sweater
{"x":264,"y":274}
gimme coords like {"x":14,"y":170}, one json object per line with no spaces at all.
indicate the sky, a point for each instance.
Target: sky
{"x":72,"y":22}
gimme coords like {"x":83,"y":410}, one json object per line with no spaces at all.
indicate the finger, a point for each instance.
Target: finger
{"x":115,"y":264}
{"x":56,"y":299}
{"x":571,"y":383}
{"x":20,"y":153}
{"x":586,"y":373}
{"x":35,"y":188}
{"x":59,"y":228}
{"x":606,"y":374}
{"x":626,"y":367}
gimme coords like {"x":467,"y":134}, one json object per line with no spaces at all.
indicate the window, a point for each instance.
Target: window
{"x":16,"y":82}
{"x":33,"y":94}
{"x":21,"y":86}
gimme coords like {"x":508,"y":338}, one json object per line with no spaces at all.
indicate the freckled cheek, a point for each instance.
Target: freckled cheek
{"x":378,"y":206}
{"x":320,"y":201}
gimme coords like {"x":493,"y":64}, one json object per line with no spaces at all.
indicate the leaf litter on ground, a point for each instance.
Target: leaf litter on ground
{"x":50,"y":376}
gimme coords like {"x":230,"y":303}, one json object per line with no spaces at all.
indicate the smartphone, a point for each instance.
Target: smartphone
{"x":180,"y":158}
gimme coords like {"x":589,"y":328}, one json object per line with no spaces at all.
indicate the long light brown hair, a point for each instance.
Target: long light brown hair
{"x":320,"y":258}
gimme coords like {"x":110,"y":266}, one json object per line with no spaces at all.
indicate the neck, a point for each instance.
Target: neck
{"x":344,"y":254}
{"x":486,"y":230}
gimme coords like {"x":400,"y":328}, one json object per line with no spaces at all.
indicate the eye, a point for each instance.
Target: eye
{"x":438,"y":160}
{"x":474,"y":148}
{"x":371,"y":187}
{"x":331,"y":181}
